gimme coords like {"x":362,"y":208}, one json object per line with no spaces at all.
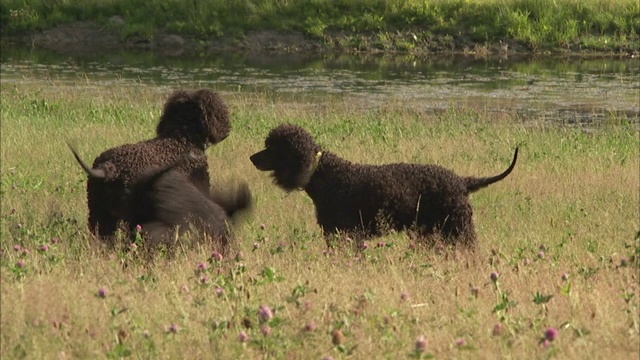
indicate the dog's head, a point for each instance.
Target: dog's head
{"x":200,"y":116}
{"x":291,"y":153}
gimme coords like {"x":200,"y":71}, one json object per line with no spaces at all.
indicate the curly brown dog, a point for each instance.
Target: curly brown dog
{"x":367,"y":200}
{"x":164,"y":202}
{"x":190,"y":122}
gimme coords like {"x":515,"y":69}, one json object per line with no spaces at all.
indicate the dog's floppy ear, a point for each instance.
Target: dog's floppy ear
{"x":94,"y":173}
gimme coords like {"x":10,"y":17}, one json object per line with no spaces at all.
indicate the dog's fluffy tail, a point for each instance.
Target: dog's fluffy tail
{"x":474,"y":184}
{"x":234,"y":198}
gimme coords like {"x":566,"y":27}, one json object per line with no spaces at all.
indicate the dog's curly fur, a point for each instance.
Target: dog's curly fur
{"x":367,"y":200}
{"x":166,"y":203}
{"x":190,"y":122}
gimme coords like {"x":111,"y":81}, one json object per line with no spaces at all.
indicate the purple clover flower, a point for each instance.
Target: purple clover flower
{"x":174,"y":328}
{"x":421,"y":344}
{"x":265,"y":330}
{"x":265,"y":313}
{"x":311,"y":326}
{"x":103,"y":292}
{"x":243,"y":337}
{"x":216,"y":255}
{"x":551,"y":333}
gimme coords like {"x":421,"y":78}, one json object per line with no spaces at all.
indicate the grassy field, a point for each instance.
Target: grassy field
{"x":363,"y":25}
{"x":559,"y":236}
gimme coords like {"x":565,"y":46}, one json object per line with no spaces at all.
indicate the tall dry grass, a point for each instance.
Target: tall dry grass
{"x":560,"y":232}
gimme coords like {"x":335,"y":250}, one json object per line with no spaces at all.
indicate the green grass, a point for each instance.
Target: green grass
{"x":600,"y":25}
{"x":572,"y":194}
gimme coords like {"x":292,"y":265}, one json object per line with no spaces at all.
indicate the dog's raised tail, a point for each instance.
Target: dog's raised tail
{"x":475,"y":184}
{"x":234,"y":198}
{"x":94,"y":173}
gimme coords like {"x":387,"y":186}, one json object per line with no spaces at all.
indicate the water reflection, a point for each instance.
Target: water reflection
{"x":558,"y":89}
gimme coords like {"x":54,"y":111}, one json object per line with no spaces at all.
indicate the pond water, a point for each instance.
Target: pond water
{"x":574,"y":90}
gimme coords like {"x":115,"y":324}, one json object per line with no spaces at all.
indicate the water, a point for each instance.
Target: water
{"x":556,"y":89}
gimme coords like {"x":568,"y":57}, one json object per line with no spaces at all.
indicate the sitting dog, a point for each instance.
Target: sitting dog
{"x":368,"y":200}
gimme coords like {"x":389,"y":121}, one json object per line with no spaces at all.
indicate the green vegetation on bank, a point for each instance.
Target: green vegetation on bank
{"x":535,"y":25}
{"x":558,"y":236}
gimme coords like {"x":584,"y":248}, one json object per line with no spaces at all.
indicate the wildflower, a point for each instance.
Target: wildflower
{"x":551,"y":334}
{"x":527,"y":261}
{"x":365,"y":246}
{"x":103,"y":292}
{"x":565,"y":277}
{"x":256,"y":246}
{"x":44,"y":248}
{"x":265,"y":313}
{"x":498,"y":329}
{"x":461,"y":342}
{"x":55,"y":240}
{"x":404,"y":296}
{"x":21,"y":264}
{"x":381,"y":244}
{"x":311,"y":326}
{"x":138,"y":228}
{"x":216,"y":255}
{"x":265,"y":330}
{"x":540,"y":254}
{"x":243,"y":336}
{"x":219,"y":291}
{"x":421,"y":344}
{"x":494,"y":276}
{"x":204,"y":279}
{"x":26,"y":251}
{"x":202,"y":266}
{"x":17,"y":247}
{"x":475,"y":291}
{"x":174,"y":328}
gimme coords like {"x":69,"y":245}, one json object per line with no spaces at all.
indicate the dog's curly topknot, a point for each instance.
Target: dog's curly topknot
{"x":200,"y":116}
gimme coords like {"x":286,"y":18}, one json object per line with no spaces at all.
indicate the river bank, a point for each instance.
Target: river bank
{"x":479,"y":28}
